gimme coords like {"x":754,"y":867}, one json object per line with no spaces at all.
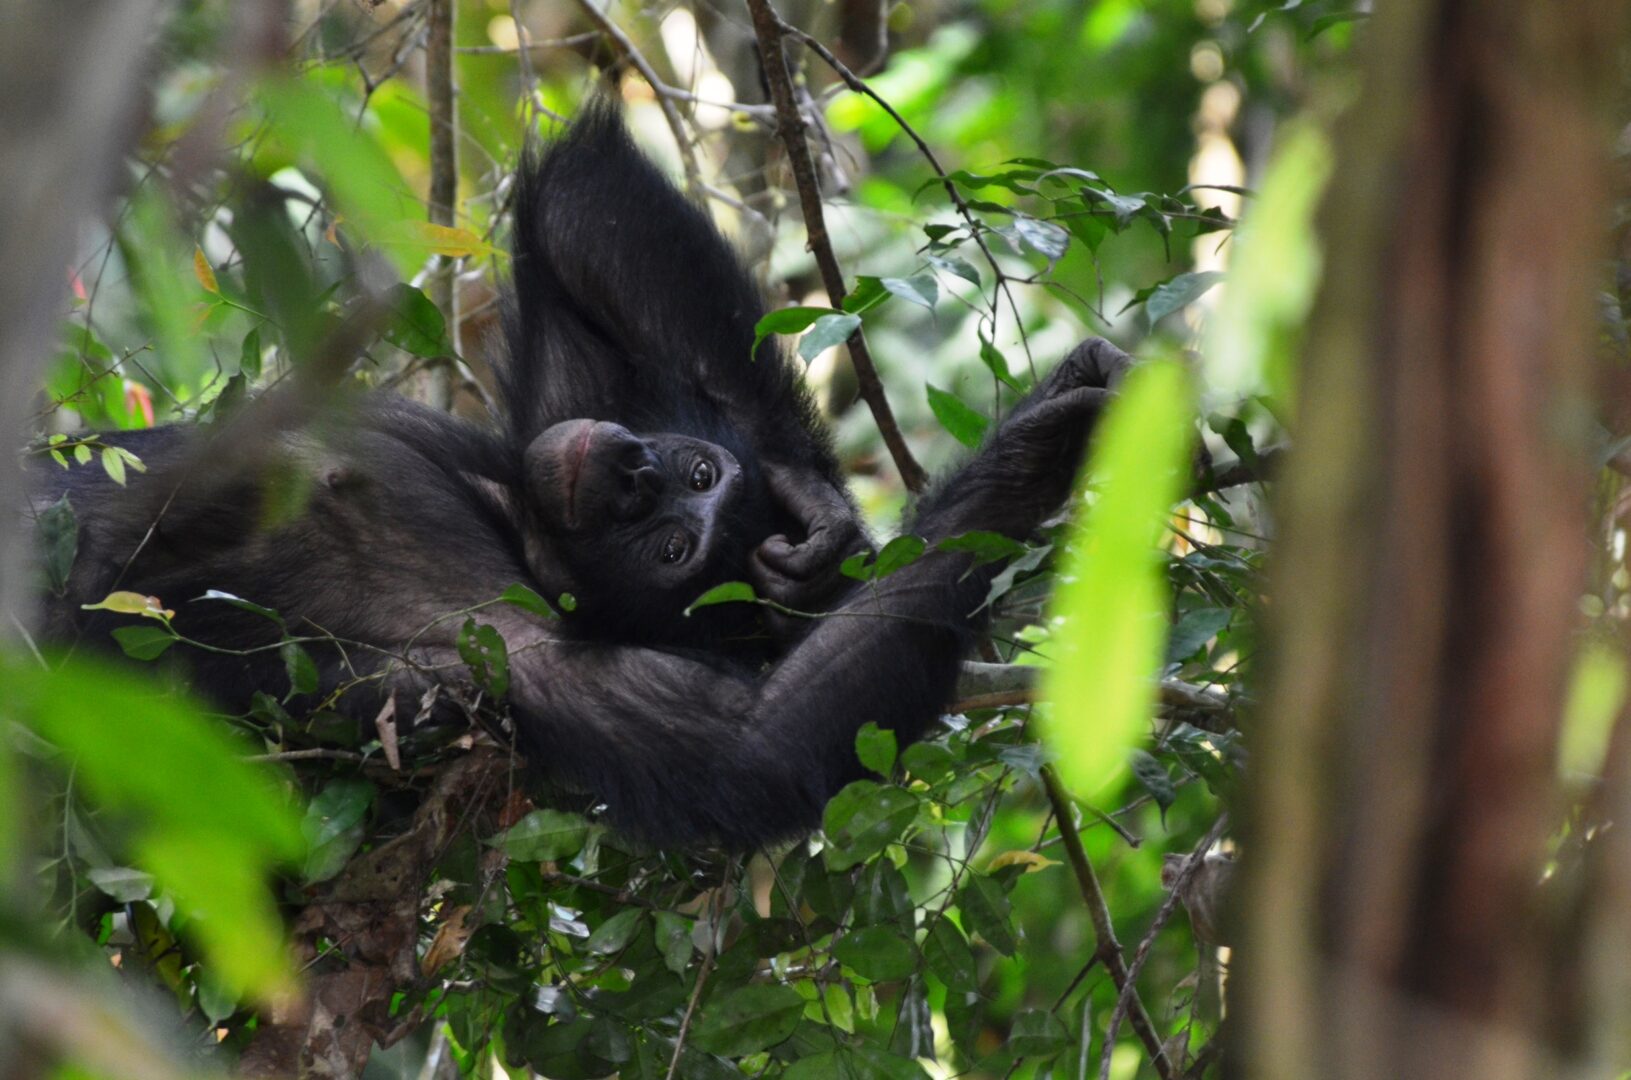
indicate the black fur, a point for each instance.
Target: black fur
{"x":629,"y":308}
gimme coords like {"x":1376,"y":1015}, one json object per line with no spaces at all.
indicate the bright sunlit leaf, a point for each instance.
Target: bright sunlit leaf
{"x":1596,"y":694}
{"x":211,"y":841}
{"x":1112,"y":595}
{"x":1251,"y":337}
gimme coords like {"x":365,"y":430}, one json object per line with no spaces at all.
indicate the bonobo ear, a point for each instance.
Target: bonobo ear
{"x":615,"y":268}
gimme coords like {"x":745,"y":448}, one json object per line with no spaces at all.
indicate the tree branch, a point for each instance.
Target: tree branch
{"x":440,"y":93}
{"x":1107,"y":949}
{"x":1162,"y":915}
{"x":682,"y":140}
{"x":770,"y":30}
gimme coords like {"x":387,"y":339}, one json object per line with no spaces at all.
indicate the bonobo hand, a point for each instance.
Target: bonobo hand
{"x":805,"y":575}
{"x":1026,"y":470}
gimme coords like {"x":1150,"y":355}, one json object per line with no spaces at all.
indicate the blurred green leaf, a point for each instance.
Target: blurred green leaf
{"x":56,"y":536}
{"x":211,"y":841}
{"x":1112,"y":594}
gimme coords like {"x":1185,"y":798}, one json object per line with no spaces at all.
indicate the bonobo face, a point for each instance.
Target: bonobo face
{"x":638,"y":519}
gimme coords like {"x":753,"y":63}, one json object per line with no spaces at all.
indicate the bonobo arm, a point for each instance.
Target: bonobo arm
{"x":683,"y":750}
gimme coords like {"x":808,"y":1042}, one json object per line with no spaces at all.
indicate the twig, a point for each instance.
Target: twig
{"x":991,"y":686}
{"x":1239,"y":473}
{"x":620,"y":40}
{"x":444,"y":184}
{"x":571,"y":41}
{"x":1168,"y":906}
{"x":316,"y":754}
{"x":1107,"y":949}
{"x":859,"y":86}
{"x":702,"y":978}
{"x":622,"y":896}
{"x":770,"y":29}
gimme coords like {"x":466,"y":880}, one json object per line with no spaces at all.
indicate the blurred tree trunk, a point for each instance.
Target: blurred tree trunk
{"x":68,"y":107}
{"x":1404,"y":782}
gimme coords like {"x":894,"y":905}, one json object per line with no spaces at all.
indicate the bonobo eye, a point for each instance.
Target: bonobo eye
{"x":702,"y":476}
{"x":674,"y":548}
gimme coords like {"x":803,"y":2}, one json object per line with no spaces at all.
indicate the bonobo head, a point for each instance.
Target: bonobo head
{"x":641,"y":525}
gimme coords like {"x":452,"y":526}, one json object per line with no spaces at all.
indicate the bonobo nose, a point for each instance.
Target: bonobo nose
{"x":637,"y":475}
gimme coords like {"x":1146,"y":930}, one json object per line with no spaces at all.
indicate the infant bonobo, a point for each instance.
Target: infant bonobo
{"x":647,"y":452}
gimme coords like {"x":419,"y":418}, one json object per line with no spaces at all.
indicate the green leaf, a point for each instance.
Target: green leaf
{"x":674,"y":940}
{"x":986,"y":547}
{"x":1596,"y":692}
{"x":928,"y":761}
{"x":524,"y":598}
{"x":249,"y":355}
{"x":867,"y":294}
{"x":1194,"y":630}
{"x":544,"y":835}
{"x":306,"y":121}
{"x":748,"y":1019}
{"x":1152,"y":777}
{"x":997,"y":364}
{"x":948,"y":955}
{"x":829,"y":330}
{"x":876,"y":953}
{"x":56,"y":535}
{"x":414,"y":323}
{"x":482,"y":649}
{"x":966,"y":425}
{"x":121,"y":883}
{"x":333,"y":826}
{"x":614,"y":935}
{"x":788,"y":320}
{"x":243,"y":605}
{"x":1036,"y":1033}
{"x":898,"y":554}
{"x":301,"y":668}
{"x":1251,"y":341}
{"x":1176,"y":293}
{"x":955,"y":266}
{"x":144,"y":642}
{"x":113,"y":465}
{"x":854,"y":1063}
{"x":875,"y":747}
{"x":731,"y":592}
{"x":1043,"y":236}
{"x":920,"y":289}
{"x":985,"y":908}
{"x":210,"y":841}
{"x":1111,"y":603}
{"x":862,"y":819}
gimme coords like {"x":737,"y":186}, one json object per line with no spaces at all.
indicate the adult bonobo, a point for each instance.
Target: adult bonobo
{"x":644,"y":457}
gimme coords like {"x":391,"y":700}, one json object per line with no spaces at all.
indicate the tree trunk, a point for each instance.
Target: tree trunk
{"x":1404,"y":781}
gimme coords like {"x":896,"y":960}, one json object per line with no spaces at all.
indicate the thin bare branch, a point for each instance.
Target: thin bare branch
{"x":676,"y":125}
{"x":770,"y":29}
{"x":1107,"y":949}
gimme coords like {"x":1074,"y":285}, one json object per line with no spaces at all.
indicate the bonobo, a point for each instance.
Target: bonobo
{"x":646,"y":453}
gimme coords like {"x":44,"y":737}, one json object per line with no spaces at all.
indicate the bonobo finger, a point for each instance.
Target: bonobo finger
{"x":1096,"y":363}
{"x":806,"y":495}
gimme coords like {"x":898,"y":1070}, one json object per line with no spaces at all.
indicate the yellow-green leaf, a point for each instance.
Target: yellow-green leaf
{"x":1112,"y":598}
